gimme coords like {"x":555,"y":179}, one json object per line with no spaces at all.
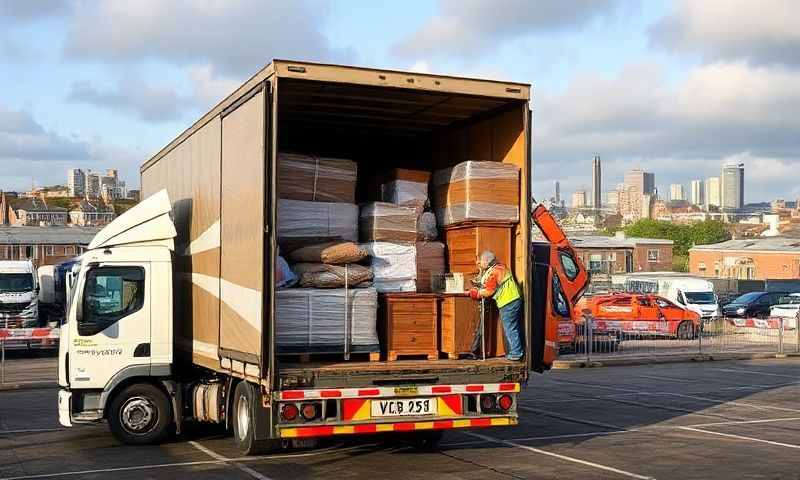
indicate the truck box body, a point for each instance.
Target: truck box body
{"x":221,"y":175}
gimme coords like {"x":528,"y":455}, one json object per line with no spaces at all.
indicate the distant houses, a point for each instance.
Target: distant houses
{"x":54,"y":211}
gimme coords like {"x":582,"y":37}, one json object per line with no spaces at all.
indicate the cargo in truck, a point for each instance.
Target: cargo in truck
{"x":200,"y":262}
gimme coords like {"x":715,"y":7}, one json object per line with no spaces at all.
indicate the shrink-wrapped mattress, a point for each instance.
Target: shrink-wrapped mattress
{"x":311,"y":320}
{"x":476,"y":191}
{"x":315,"y":221}
{"x":316,"y":179}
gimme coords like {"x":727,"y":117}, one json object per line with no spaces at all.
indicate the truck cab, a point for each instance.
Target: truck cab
{"x":19,"y":295}
{"x":116,"y":342}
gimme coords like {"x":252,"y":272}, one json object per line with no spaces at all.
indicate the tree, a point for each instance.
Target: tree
{"x":683,"y":236}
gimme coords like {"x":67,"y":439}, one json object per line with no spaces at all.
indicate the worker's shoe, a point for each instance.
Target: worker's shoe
{"x":513,"y":359}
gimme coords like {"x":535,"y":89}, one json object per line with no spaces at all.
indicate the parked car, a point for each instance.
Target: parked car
{"x":645,"y":314}
{"x":787,"y":308}
{"x":753,"y":304}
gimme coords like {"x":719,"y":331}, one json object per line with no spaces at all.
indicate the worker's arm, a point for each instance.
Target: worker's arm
{"x":492,"y":281}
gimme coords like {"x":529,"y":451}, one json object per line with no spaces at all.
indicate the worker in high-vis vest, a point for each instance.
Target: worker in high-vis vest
{"x":496,"y":281}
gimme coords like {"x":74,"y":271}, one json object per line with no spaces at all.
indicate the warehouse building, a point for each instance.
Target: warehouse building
{"x":44,"y":245}
{"x":748,"y":259}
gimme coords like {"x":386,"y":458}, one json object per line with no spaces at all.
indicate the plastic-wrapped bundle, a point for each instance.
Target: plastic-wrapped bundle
{"x":426,"y":227}
{"x":316,"y":179}
{"x":320,"y":275}
{"x":394,"y":266}
{"x":381,"y":221}
{"x":326,"y":320}
{"x":299,"y":220}
{"x":332,"y":253}
{"x":476,"y":191}
{"x":430,"y":263}
{"x":406,"y":187}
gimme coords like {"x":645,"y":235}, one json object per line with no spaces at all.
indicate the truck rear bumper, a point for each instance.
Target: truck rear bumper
{"x":367,"y":428}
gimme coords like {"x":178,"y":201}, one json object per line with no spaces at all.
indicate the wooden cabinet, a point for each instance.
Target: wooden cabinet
{"x":466,"y":241}
{"x":459,"y":317}
{"x":410,"y":324}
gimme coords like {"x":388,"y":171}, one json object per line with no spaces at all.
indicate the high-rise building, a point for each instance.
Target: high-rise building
{"x":113,"y":173}
{"x":597,"y":182}
{"x":643,"y":182}
{"x":732,"y":187}
{"x":76,"y":182}
{"x":558,"y":193}
{"x":579,"y":199}
{"x":612,"y":199}
{"x":92,"y":189}
{"x":697,"y":192}
{"x":712,"y":192}
{"x":676,"y":192}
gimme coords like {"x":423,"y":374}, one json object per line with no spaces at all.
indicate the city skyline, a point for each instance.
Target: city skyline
{"x":647,"y":84}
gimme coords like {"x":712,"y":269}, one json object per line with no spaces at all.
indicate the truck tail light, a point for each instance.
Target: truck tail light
{"x":289,"y":412}
{"x":309,"y":411}
{"x":505,"y":402}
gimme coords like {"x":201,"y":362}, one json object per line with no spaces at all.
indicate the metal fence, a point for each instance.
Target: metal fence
{"x":599,"y":339}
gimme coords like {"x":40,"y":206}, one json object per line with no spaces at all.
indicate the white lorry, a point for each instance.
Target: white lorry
{"x":693,"y":293}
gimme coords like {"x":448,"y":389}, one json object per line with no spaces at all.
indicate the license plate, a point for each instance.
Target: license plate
{"x":404,"y":407}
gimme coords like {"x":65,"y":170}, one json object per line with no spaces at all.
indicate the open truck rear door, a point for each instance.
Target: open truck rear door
{"x":559,"y":280}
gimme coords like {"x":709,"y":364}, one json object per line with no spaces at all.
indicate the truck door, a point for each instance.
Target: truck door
{"x":559,"y":280}
{"x":112,"y":327}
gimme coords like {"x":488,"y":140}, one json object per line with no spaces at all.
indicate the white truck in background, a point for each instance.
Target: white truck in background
{"x":19,"y":294}
{"x":694,"y":293}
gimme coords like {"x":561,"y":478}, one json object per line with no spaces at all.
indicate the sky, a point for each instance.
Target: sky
{"x":677,"y":88}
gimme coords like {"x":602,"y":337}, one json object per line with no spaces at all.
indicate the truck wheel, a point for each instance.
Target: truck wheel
{"x":244,"y":399}
{"x":685,"y":331}
{"x":139,"y":415}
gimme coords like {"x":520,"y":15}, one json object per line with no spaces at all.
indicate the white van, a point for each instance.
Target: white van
{"x":692,"y":293}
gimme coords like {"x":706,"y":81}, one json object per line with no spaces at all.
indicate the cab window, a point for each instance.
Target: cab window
{"x":560,"y":305}
{"x":569,"y":265}
{"x":110,"y":294}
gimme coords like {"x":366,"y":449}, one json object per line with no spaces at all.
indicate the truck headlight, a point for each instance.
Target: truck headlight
{"x":740,"y":310}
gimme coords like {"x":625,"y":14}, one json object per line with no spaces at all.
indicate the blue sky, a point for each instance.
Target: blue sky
{"x":678,"y":88}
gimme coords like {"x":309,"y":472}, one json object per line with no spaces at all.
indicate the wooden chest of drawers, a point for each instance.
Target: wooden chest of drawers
{"x":467,"y":240}
{"x":459,"y":317}
{"x":410,"y":324}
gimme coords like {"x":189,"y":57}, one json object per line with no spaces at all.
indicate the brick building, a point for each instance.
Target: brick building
{"x":43,"y":245}
{"x":753,"y":259}
{"x":620,"y":254}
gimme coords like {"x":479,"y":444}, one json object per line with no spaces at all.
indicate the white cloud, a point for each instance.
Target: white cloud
{"x":150,"y":103}
{"x":209,"y":88}
{"x":471,"y":28}
{"x":679,"y":131}
{"x":761,"y":32}
{"x":235,"y":36}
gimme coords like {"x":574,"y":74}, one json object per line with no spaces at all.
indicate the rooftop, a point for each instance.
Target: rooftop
{"x":618,"y":241}
{"x":773,"y":244}
{"x":54,"y":235}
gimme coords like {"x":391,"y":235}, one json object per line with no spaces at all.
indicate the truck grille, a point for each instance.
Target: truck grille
{"x":13,"y":308}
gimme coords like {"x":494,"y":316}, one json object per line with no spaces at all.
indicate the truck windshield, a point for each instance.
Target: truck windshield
{"x":702,"y":298}
{"x":16,"y":282}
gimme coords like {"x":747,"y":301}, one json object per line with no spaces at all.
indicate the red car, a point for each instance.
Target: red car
{"x":639,"y":313}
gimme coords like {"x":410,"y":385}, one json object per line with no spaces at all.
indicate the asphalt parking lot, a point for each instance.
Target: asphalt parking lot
{"x":736,"y":419}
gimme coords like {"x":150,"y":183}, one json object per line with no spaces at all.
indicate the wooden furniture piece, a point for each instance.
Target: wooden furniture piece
{"x":410,"y":324}
{"x":465,"y":241}
{"x":459,"y":316}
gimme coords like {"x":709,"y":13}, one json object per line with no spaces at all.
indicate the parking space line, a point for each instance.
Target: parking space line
{"x":598,"y":466}
{"x":733,"y":402}
{"x":30,"y":430}
{"x":746,"y":422}
{"x":570,"y":418}
{"x":741,"y":437}
{"x":736,"y":370}
{"x":111,"y":470}
{"x":228,"y":461}
{"x":547,"y":437}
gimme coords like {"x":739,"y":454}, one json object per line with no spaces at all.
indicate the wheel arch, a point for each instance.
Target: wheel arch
{"x":132,"y":375}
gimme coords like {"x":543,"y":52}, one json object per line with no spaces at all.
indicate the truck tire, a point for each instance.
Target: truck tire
{"x":244,"y":398}
{"x":140,"y":415}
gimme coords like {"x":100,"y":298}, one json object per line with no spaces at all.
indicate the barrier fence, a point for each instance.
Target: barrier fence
{"x":598,"y":339}
{"x":25,"y":339}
